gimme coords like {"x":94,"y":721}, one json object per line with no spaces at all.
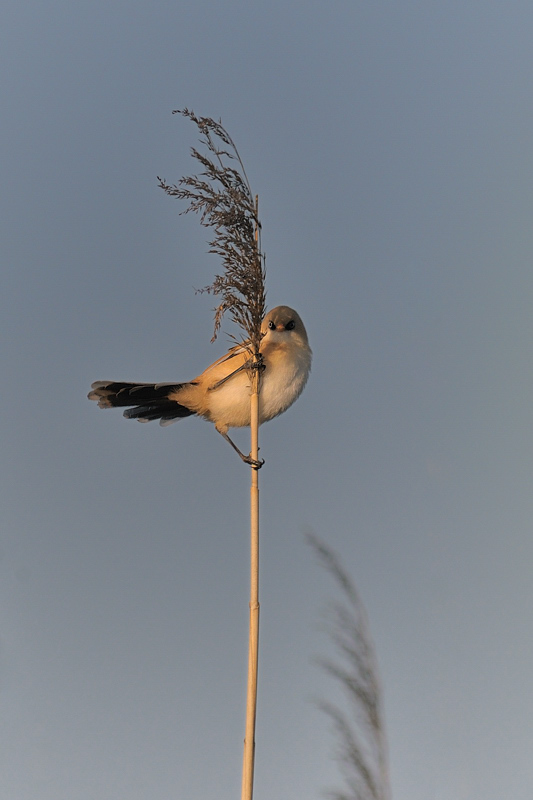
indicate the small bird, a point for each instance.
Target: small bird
{"x":221,"y":394}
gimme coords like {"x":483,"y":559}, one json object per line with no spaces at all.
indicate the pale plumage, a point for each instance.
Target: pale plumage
{"x":221,"y":394}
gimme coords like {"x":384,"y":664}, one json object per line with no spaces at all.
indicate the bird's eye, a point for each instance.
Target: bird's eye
{"x":272,"y":325}
{"x":290,"y":325}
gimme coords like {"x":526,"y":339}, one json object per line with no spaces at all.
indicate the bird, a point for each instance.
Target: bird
{"x":221,"y":393}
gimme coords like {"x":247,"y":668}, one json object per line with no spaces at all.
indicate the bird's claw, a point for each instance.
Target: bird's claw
{"x":254,"y":463}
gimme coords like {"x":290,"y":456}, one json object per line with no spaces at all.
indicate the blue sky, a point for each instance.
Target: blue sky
{"x":392,"y":152}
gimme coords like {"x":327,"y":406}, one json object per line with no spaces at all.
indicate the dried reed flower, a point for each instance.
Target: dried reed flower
{"x":361,"y":740}
{"x":222,"y":196}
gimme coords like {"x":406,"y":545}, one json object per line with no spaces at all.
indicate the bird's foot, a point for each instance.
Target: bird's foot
{"x":253,"y":462}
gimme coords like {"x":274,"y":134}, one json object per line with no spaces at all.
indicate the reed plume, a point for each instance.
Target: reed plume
{"x":221,"y":195}
{"x":361,"y":745}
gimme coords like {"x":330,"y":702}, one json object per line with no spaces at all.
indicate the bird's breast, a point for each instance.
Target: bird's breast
{"x":282,"y":381}
{"x":285,"y":375}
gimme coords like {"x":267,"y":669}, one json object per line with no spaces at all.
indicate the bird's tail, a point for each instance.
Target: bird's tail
{"x":149,"y":400}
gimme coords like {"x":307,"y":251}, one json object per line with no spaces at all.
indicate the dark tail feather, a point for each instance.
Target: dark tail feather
{"x":167,"y":411}
{"x":113,"y":395}
{"x":150,"y":400}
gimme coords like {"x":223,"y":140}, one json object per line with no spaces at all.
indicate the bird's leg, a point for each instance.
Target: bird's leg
{"x":247,"y":459}
{"x":223,"y":380}
{"x":247,"y":365}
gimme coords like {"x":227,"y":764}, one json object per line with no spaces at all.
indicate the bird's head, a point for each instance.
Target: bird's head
{"x":283,"y":325}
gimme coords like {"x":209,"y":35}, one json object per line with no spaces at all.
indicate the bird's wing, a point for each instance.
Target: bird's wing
{"x":233,"y":362}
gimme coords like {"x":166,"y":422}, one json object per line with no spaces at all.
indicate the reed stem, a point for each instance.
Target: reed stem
{"x":253,"y":643}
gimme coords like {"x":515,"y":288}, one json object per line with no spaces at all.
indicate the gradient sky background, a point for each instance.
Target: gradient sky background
{"x":392,"y":152}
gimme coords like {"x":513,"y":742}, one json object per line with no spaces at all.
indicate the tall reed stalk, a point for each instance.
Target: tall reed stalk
{"x":222,"y":196}
{"x":253,"y":639}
